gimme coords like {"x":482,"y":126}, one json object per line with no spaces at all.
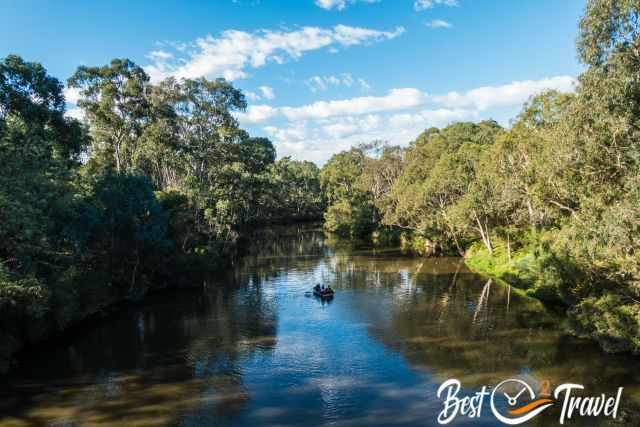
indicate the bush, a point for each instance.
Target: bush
{"x":349,"y":219}
{"x":610,"y":319}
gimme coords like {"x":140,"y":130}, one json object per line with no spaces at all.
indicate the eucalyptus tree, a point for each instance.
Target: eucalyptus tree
{"x":602,"y":129}
{"x":209,"y":141}
{"x":114,"y":99}
{"x":382,"y":167}
{"x":350,"y":210}
{"x":294,"y":190}
{"x":520,"y":166}
{"x":439,"y":171}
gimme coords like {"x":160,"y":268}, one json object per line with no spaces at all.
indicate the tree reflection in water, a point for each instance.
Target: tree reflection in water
{"x":253,"y":348}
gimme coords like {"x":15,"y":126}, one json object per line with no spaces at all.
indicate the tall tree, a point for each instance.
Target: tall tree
{"x":114,"y":98}
{"x":38,"y":149}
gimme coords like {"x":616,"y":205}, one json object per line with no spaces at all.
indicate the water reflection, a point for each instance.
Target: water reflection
{"x":254,"y":348}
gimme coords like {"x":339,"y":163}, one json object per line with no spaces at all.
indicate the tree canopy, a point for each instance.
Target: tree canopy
{"x":550,"y":204}
{"x":156,"y":183}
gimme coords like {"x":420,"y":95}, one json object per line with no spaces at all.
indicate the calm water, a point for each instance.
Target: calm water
{"x":253,"y":348}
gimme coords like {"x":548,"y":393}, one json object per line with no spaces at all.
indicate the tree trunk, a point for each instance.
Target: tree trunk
{"x":484,"y":234}
{"x":532,"y":216}
{"x":135,"y":271}
{"x":117,"y":147}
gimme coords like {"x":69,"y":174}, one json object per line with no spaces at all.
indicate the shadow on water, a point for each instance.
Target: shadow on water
{"x":254,"y":348}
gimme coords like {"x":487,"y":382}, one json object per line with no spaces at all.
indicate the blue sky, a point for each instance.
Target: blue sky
{"x":321,"y":75}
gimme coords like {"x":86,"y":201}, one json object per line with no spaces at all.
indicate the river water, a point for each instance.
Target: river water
{"x":253,"y":347}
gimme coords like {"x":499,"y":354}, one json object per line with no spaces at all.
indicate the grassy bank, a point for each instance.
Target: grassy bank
{"x":527,"y":268}
{"x":594,"y":308}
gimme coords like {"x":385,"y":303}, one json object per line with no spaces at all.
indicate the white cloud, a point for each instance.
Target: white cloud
{"x":322,"y":83}
{"x":348,"y":126}
{"x":317,"y":83}
{"x":76,"y":113}
{"x":339,"y":4}
{"x":396,"y":99}
{"x":234,"y":52}
{"x":438,"y":23}
{"x":160,"y":55}
{"x":420,"y":5}
{"x":71,"y":95}
{"x":386,"y":126}
{"x":267,"y":92}
{"x":316,"y":131}
{"x":515,"y":93}
{"x":363,"y":83}
{"x":257,"y":114}
{"x":290,"y":134}
{"x":349,"y":36}
{"x":318,"y":142}
{"x":427,"y":118}
{"x":252,"y":96}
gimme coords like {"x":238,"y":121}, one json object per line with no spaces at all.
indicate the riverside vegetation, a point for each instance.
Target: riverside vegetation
{"x":159,"y":181}
{"x":551,"y":204}
{"x":153,"y":189}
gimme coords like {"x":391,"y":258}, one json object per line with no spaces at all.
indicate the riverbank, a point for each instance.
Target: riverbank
{"x":523,"y":268}
{"x":607,"y":317}
{"x":592,"y":305}
{"x":241,"y":351}
{"x":95,"y":298}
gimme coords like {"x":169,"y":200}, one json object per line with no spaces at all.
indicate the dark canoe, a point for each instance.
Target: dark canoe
{"x":324,"y":294}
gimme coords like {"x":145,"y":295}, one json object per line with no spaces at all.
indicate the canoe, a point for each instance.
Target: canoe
{"x":323,"y":294}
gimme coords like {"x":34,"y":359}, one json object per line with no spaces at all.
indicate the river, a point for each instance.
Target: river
{"x":252,"y":347}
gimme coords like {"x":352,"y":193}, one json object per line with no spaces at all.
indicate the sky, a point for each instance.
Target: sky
{"x":320,"y":75}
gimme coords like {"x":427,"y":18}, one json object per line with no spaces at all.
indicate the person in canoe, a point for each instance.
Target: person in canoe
{"x":320,"y":290}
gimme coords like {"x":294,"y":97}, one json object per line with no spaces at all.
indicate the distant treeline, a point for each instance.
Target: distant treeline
{"x":551,"y":204}
{"x":156,"y":183}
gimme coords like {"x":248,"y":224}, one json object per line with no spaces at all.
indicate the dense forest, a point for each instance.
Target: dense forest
{"x":158,"y":183}
{"x":550,"y":204}
{"x":155,"y":186}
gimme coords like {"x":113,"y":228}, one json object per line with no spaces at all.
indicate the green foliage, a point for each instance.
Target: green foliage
{"x":167,"y":181}
{"x":610,"y":319}
{"x":127,"y":226}
{"x":294,"y":191}
{"x":351,"y":210}
{"x":531,"y":267}
{"x":607,"y":29}
{"x":339,"y":176}
{"x":431,"y":198}
{"x":115,"y":103}
{"x":551,"y":204}
{"x":38,"y":149}
{"x":350,"y":218}
{"x":25,"y":296}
